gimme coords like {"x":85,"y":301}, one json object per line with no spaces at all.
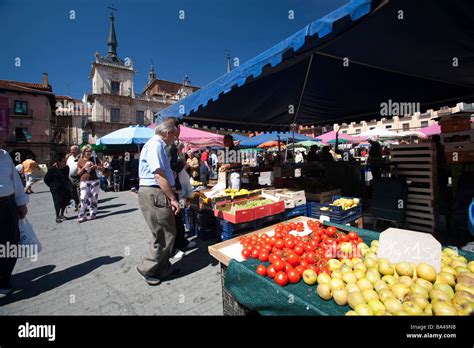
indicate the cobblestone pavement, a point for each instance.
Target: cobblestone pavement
{"x":89,"y":268}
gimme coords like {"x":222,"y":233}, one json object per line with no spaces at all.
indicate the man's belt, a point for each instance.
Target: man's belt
{"x":7,"y":198}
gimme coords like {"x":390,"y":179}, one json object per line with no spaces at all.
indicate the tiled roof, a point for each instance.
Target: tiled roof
{"x":25,"y":86}
{"x":167,"y":86}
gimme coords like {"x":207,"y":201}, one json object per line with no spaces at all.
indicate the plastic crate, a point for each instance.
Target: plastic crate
{"x":189,"y":218}
{"x":297,"y":211}
{"x":336,"y":213}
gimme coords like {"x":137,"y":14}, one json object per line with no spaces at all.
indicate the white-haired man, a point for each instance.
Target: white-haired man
{"x":158,"y":204}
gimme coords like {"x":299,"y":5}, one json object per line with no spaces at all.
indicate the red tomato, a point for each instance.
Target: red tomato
{"x":279,"y":265}
{"x":280,"y":244}
{"x":263,"y":256}
{"x":292,"y":226}
{"x":300,"y":269}
{"x":262,"y":270}
{"x":278,"y":235}
{"x":309,"y":247}
{"x":360,"y":240}
{"x":278,"y":229}
{"x":310,"y":258}
{"x":315,"y":268}
{"x":288,"y":267}
{"x":255,"y":253}
{"x":272,"y":258}
{"x":293,"y":259}
{"x":281,"y":278}
{"x":272,"y":241}
{"x":352,"y":235}
{"x":299,"y":250}
{"x":303,"y":264}
{"x":246,"y":253}
{"x":289,"y":243}
{"x":271,"y":271}
{"x":330,"y":231}
{"x":299,"y":228}
{"x":294,"y":276}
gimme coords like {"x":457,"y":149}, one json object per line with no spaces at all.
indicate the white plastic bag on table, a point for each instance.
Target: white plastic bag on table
{"x":27,"y":235}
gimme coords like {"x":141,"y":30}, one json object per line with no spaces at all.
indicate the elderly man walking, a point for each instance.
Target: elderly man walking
{"x":158,"y":204}
{"x":13,"y":201}
{"x":72,"y":160}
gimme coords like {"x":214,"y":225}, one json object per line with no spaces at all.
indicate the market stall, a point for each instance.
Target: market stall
{"x":361,"y":284}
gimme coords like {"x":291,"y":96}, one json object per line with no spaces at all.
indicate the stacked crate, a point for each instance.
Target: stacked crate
{"x":417,"y":163}
{"x":457,"y":135}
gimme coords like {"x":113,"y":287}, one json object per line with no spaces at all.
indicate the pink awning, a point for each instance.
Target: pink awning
{"x":431,"y":130}
{"x":326,"y":137}
{"x":197,"y":136}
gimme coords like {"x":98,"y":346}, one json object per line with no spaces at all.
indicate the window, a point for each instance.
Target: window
{"x":406,"y":126}
{"x":388,"y":127}
{"x":85,"y":137}
{"x":344,"y":132}
{"x":358,"y":131}
{"x":140,"y":117}
{"x":21,"y":107}
{"x":372,"y":128}
{"x":424,"y":124}
{"x":115,"y":115}
{"x":21,"y":134}
{"x":114,"y":87}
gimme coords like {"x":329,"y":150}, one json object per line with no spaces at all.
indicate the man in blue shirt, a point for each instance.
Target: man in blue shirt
{"x":13,"y":201}
{"x":158,"y":204}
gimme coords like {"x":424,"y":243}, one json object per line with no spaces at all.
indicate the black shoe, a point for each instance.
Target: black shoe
{"x":5,"y":290}
{"x":153,"y":281}
{"x":58,"y":220}
{"x":62,"y":217}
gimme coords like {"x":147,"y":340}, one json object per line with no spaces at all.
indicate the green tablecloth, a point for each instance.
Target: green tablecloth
{"x":265,"y":296}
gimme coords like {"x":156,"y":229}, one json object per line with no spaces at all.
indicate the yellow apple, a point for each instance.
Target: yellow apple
{"x":426,"y":272}
{"x":376,"y":306}
{"x":352,"y":287}
{"x":310,"y":276}
{"x":385,"y":268}
{"x":324,"y":291}
{"x":412,"y":308}
{"x":349,"y":278}
{"x":340,"y":296}
{"x":323,"y":278}
{"x":354,"y":299}
{"x":392,"y":305}
{"x":404,"y":269}
{"x":443,"y":308}
{"x":363,"y":309}
{"x":370,"y":295}
{"x":400,"y":291}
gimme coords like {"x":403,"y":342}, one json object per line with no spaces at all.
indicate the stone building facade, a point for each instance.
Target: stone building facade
{"x":27,"y":119}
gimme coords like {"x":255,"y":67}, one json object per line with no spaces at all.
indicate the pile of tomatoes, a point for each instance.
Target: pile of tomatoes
{"x":289,"y":256}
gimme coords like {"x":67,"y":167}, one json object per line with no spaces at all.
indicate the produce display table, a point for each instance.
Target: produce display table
{"x":245,"y":292}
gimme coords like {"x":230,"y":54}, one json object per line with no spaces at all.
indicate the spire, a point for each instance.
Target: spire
{"x":151,"y":74}
{"x":112,"y":42}
{"x":186,"y":81}
{"x":228,"y":61}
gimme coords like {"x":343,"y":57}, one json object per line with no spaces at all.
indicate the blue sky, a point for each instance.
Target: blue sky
{"x":43,"y":36}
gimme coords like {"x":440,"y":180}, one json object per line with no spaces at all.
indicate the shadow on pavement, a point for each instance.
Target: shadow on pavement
{"x":110,"y":206}
{"x":115,"y":213}
{"x":197,"y":259}
{"x":53,"y":280}
{"x":23,"y":278}
{"x":103,"y":200}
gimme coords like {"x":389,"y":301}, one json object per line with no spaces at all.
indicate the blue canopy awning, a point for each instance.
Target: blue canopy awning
{"x":344,"y":66}
{"x":136,"y":135}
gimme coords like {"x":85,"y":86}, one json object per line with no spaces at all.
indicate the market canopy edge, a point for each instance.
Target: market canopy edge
{"x":422,"y":55}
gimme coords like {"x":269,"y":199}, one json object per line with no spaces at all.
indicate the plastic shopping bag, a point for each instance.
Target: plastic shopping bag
{"x":28,"y":236}
{"x":186,"y":188}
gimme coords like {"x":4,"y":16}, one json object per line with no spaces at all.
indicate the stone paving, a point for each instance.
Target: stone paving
{"x":89,"y":268}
